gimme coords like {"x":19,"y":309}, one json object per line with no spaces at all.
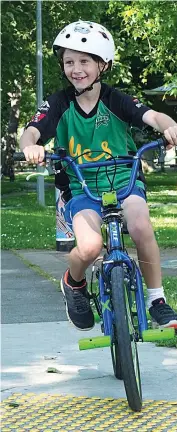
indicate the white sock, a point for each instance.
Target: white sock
{"x":153,"y":294}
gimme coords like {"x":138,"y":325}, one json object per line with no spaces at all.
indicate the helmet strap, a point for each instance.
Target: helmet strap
{"x":90,"y":87}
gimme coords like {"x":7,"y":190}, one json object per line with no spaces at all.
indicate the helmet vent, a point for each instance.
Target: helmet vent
{"x":81,"y":35}
{"x":104,"y":35}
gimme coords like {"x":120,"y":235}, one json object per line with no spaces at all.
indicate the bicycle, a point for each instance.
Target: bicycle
{"x":119,"y":301}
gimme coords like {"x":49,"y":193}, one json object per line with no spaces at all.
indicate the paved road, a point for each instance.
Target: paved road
{"x":27,"y":296}
{"x":30,"y":297}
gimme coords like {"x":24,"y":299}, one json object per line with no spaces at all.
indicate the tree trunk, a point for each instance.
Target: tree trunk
{"x":9,"y":141}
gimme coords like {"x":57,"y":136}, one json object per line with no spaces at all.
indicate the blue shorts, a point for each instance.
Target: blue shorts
{"x":81,"y":202}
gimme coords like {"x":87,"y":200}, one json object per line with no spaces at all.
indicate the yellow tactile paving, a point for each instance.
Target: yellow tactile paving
{"x":47,"y":413}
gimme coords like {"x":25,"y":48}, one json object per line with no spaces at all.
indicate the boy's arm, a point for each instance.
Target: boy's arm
{"x":136,"y":114}
{"x":34,"y":153}
{"x":40,"y":129}
{"x":162,"y":123}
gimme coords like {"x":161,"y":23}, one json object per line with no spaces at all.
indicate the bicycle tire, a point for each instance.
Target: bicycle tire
{"x":115,"y":354}
{"x":126,"y":339}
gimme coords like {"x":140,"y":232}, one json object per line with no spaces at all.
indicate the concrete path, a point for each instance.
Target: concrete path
{"x":36,"y":336}
{"x":55,"y":262}
{"x":29,"y":349}
{"x":27,"y":296}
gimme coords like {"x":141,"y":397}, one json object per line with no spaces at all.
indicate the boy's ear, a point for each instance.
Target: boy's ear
{"x":104,"y":66}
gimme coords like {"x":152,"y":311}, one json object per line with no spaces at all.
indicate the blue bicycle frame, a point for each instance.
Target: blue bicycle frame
{"x":116,"y":255}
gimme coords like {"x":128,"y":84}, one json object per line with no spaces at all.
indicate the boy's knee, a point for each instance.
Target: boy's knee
{"x":141,"y":230}
{"x":90,"y":251}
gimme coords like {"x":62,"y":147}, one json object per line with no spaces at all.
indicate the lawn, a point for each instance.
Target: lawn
{"x":25,"y":224}
{"x":21,"y":184}
{"x":162,"y":189}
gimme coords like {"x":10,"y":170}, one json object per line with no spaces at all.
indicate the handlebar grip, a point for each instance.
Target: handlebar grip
{"x":164,"y":141}
{"x":19,"y":156}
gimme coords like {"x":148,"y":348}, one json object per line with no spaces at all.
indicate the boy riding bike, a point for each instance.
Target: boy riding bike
{"x":92,"y":121}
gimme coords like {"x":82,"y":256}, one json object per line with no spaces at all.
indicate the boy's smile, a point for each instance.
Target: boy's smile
{"x":79,"y":78}
{"x":80,"y":69}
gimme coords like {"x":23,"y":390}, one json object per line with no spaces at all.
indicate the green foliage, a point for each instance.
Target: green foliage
{"x":19,"y":48}
{"x":18,"y":51}
{"x":145,"y":38}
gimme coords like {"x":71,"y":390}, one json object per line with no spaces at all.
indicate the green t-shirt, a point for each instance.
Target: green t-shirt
{"x":104,"y":132}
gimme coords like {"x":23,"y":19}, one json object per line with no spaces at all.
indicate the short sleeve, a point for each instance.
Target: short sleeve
{"x":46,"y":118}
{"x":128,"y":109}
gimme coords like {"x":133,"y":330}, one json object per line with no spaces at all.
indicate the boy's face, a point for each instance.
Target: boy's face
{"x":80,"y":69}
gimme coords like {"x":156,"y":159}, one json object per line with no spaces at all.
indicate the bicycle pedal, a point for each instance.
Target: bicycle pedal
{"x":94,"y":342}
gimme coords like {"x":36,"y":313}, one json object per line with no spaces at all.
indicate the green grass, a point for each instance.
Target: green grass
{"x":28,"y":225}
{"x":20,"y":183}
{"x":162,"y":188}
{"x":164,"y":221}
{"x":162,"y":195}
{"x":9,"y":187}
{"x":170,"y":287}
{"x":28,"y":200}
{"x":25,"y":224}
{"x":161,"y":179}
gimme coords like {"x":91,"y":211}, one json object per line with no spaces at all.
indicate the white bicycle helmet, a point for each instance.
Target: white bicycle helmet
{"x":87,"y":37}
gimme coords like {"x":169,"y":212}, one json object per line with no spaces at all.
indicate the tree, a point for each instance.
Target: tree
{"x":146,"y":51}
{"x":146,"y":38}
{"x":19,"y":59}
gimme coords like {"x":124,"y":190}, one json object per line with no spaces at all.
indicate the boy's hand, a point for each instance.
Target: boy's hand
{"x":171,"y":136}
{"x":34,"y":154}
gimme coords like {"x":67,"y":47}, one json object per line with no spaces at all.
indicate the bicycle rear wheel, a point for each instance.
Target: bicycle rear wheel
{"x":126,"y":337}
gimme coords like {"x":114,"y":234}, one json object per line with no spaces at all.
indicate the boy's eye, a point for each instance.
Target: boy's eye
{"x":70,"y":62}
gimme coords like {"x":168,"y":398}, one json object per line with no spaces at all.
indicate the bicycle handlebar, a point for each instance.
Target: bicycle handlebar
{"x":120,"y":160}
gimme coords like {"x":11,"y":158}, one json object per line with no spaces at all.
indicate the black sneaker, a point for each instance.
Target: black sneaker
{"x":78,"y":307}
{"x":163,"y":314}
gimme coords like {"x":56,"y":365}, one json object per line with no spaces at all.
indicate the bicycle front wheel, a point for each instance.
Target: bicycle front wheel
{"x":126,"y":338}
{"x":115,"y":354}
